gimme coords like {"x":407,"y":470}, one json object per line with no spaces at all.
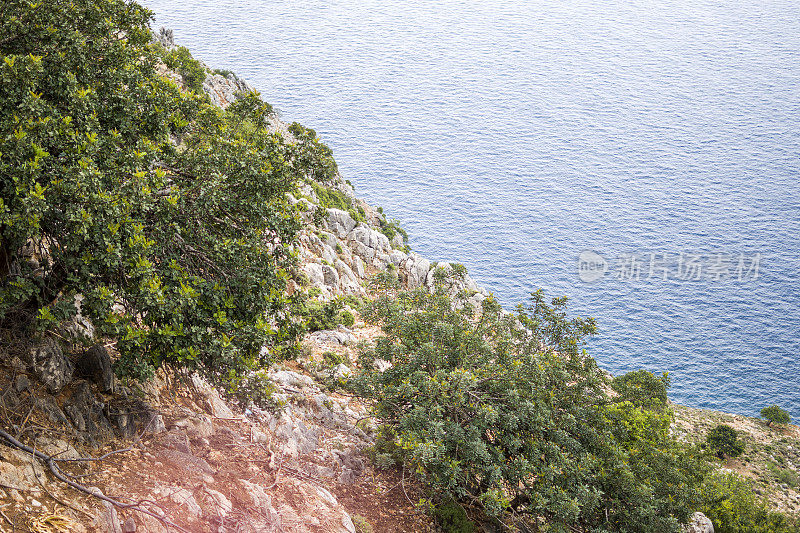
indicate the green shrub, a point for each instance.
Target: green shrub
{"x":508,"y":412}
{"x":459,"y":270}
{"x":319,"y":216}
{"x":729,"y":501}
{"x":452,"y":518}
{"x":346,"y":318}
{"x":192,"y":71}
{"x":165,"y":244}
{"x":331,"y":359}
{"x":642,"y":388}
{"x":224,"y":73}
{"x":391,"y":229}
{"x":385,"y":453}
{"x":320,"y":315}
{"x":312,"y":156}
{"x":331,"y":198}
{"x":257,"y":388}
{"x":723,"y":440}
{"x":385,"y":280}
{"x":785,"y":476}
{"x":775,"y":415}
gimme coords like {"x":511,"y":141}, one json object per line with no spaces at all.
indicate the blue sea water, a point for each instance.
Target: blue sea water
{"x":514,"y":136}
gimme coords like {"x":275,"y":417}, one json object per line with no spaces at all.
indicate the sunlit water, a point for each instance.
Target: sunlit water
{"x":512,"y":136}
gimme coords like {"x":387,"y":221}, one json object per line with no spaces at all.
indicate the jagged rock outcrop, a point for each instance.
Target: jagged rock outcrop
{"x":223,"y":90}
{"x":50,"y":365}
{"x":417,"y":268}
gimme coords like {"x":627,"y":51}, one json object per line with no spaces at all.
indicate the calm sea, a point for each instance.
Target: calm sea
{"x":657,"y":141}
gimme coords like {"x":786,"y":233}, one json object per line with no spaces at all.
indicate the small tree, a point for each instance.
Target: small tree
{"x":181,"y":254}
{"x":724,"y":440}
{"x":508,"y":414}
{"x":642,"y":388}
{"x":775,"y":415}
{"x":730,"y":503}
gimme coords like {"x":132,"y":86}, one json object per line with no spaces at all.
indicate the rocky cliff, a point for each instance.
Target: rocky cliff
{"x":173,"y":454}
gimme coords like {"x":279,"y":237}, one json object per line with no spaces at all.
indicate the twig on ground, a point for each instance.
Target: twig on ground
{"x":403,"y":485}
{"x":50,"y":462}
{"x":54,"y":497}
{"x":89,"y":459}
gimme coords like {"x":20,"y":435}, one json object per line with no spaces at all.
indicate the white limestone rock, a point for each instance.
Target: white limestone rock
{"x":417,"y":269}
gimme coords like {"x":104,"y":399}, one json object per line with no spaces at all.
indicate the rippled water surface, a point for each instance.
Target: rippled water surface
{"x":513,"y":136}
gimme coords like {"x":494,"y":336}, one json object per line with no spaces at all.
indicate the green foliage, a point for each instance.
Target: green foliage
{"x":256,"y":388}
{"x":311,"y":155}
{"x":642,"y":388}
{"x":391,"y":229}
{"x":353,"y":301}
{"x":192,"y":71}
{"x":775,"y":415}
{"x":182,"y":254}
{"x":459,"y":270}
{"x":385,"y":453}
{"x":785,"y":476}
{"x":332,"y":198}
{"x":331,"y":359}
{"x":508,"y":412}
{"x":224,"y":73}
{"x":319,"y":216}
{"x":452,"y":518}
{"x":322,"y":315}
{"x":386,"y":280}
{"x":723,"y":440}
{"x":729,"y":501}
{"x":346,"y":318}
{"x":361,"y":524}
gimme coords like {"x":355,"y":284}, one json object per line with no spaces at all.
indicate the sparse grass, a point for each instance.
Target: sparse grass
{"x":772,"y":454}
{"x":361,"y":524}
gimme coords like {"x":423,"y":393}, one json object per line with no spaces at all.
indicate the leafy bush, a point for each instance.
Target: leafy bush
{"x":642,"y":388}
{"x":192,"y":71}
{"x":452,"y":518}
{"x":723,"y":440}
{"x":729,"y":501}
{"x":346,"y":318}
{"x":775,"y":415}
{"x":182,"y":254}
{"x":225,"y":73}
{"x":508,"y":413}
{"x":319,"y":216}
{"x":785,"y":476}
{"x":322,"y":315}
{"x":311,"y":155}
{"x":385,"y":453}
{"x":331,"y":198}
{"x":391,"y":228}
{"x":331,"y":359}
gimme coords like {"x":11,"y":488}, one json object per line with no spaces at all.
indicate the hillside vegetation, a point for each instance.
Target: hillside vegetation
{"x":196,"y":237}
